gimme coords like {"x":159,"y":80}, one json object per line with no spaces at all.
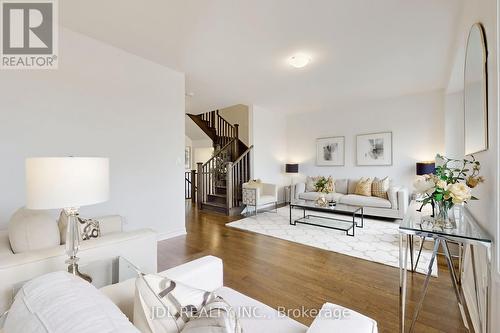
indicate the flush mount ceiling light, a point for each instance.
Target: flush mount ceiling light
{"x":299,"y":60}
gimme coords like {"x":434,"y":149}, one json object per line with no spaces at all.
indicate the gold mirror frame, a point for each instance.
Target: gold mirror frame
{"x":484,"y":97}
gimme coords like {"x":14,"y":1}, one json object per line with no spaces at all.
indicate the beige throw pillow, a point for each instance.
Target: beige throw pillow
{"x":311,"y":184}
{"x":380,"y":187}
{"x":364,"y":187}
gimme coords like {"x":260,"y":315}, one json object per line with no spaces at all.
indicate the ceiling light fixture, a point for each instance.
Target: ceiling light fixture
{"x":299,"y":60}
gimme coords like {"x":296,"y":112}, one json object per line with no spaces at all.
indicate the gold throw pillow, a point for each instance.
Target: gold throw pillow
{"x":364,"y":187}
{"x":380,"y":187}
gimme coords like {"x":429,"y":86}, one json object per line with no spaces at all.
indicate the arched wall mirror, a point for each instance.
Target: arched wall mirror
{"x":475,"y":92}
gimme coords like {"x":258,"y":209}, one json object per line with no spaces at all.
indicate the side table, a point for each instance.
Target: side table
{"x":466,"y":232}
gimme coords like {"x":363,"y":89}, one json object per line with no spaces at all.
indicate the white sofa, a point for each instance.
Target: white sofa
{"x":207,"y":273}
{"x":394,"y":207}
{"x":139,"y":246}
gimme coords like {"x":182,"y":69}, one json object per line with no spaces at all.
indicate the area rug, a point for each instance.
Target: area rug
{"x":377,"y":241}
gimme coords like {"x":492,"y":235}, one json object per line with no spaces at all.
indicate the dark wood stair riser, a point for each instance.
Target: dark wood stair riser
{"x":214,"y":207}
{"x":220,"y":190}
{"x":218,"y":198}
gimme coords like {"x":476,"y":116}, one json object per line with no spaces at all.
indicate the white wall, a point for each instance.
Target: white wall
{"x":454,"y":125}
{"x":238,"y":114}
{"x":415,"y":121}
{"x":268,"y":135}
{"x":202,"y":155}
{"x":101,"y":101}
{"x":486,"y":208}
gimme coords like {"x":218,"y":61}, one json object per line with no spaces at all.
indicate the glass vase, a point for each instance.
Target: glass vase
{"x":443,"y":218}
{"x":321,"y":201}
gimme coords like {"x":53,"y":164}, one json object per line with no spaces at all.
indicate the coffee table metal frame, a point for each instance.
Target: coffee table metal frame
{"x":306,"y":219}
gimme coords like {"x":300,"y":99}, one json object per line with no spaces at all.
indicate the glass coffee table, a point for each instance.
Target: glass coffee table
{"x":329,"y":222}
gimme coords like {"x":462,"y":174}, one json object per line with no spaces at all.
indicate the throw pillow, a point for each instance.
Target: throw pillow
{"x":31,"y":230}
{"x":364,"y":187}
{"x":217,"y":316}
{"x":62,"y":302}
{"x":89,"y":228}
{"x":254,"y":183}
{"x":162,"y":305}
{"x":311,"y":184}
{"x":380,"y":187}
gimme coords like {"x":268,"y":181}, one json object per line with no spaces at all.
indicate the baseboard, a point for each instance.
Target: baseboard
{"x":171,"y":234}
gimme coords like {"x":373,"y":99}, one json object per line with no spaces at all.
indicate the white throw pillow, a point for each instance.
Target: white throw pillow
{"x":158,"y":303}
{"x":60,"y":302}
{"x":31,"y":230}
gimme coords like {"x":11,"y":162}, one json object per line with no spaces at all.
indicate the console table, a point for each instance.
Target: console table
{"x":467,"y":233}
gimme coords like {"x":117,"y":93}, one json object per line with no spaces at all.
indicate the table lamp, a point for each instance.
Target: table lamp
{"x":292,"y":168}
{"x":67,"y":183}
{"x":425,"y":168}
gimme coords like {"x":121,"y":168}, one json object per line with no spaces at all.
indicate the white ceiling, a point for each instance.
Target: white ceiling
{"x":235,"y":51}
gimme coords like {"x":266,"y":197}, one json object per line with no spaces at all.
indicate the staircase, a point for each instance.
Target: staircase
{"x":220,"y":179}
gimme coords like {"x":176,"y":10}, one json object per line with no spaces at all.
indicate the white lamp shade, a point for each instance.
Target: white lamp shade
{"x":66,"y":182}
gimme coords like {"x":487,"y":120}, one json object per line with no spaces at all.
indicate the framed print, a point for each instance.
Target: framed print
{"x":187,"y":157}
{"x":330,"y":151}
{"x":374,"y":149}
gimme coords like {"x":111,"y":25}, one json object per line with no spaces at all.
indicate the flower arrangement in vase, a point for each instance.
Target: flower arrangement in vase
{"x":450,"y":185}
{"x":324,"y":186}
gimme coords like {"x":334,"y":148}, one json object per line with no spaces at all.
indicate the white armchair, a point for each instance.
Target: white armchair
{"x":258,"y":195}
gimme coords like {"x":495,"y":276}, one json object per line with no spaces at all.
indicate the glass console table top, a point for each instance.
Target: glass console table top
{"x":466,"y":226}
{"x":108,"y":271}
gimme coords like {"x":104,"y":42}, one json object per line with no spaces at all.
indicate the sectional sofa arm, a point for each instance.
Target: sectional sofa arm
{"x":204,"y":273}
{"x":139,"y":246}
{"x":39,"y":256}
{"x":403,"y":200}
{"x":110,"y":224}
{"x":299,"y":188}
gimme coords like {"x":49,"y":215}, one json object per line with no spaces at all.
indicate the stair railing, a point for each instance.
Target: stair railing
{"x":238,"y":173}
{"x":224,"y":130}
{"x":190,"y":185}
{"x":212,"y":171}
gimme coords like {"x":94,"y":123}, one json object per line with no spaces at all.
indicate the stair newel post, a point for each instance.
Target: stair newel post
{"x":229,"y":185}
{"x":194,"y":184}
{"x":199,"y":181}
{"x":236,"y":144}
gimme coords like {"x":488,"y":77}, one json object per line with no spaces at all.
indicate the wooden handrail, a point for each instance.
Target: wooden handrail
{"x":219,"y":152}
{"x":223,"y":129}
{"x":242,"y":155}
{"x":238,"y":173}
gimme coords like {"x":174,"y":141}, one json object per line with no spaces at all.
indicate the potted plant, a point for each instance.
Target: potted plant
{"x":450,"y":185}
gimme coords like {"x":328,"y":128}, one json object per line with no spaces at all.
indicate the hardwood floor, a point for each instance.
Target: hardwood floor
{"x":286,"y":274}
